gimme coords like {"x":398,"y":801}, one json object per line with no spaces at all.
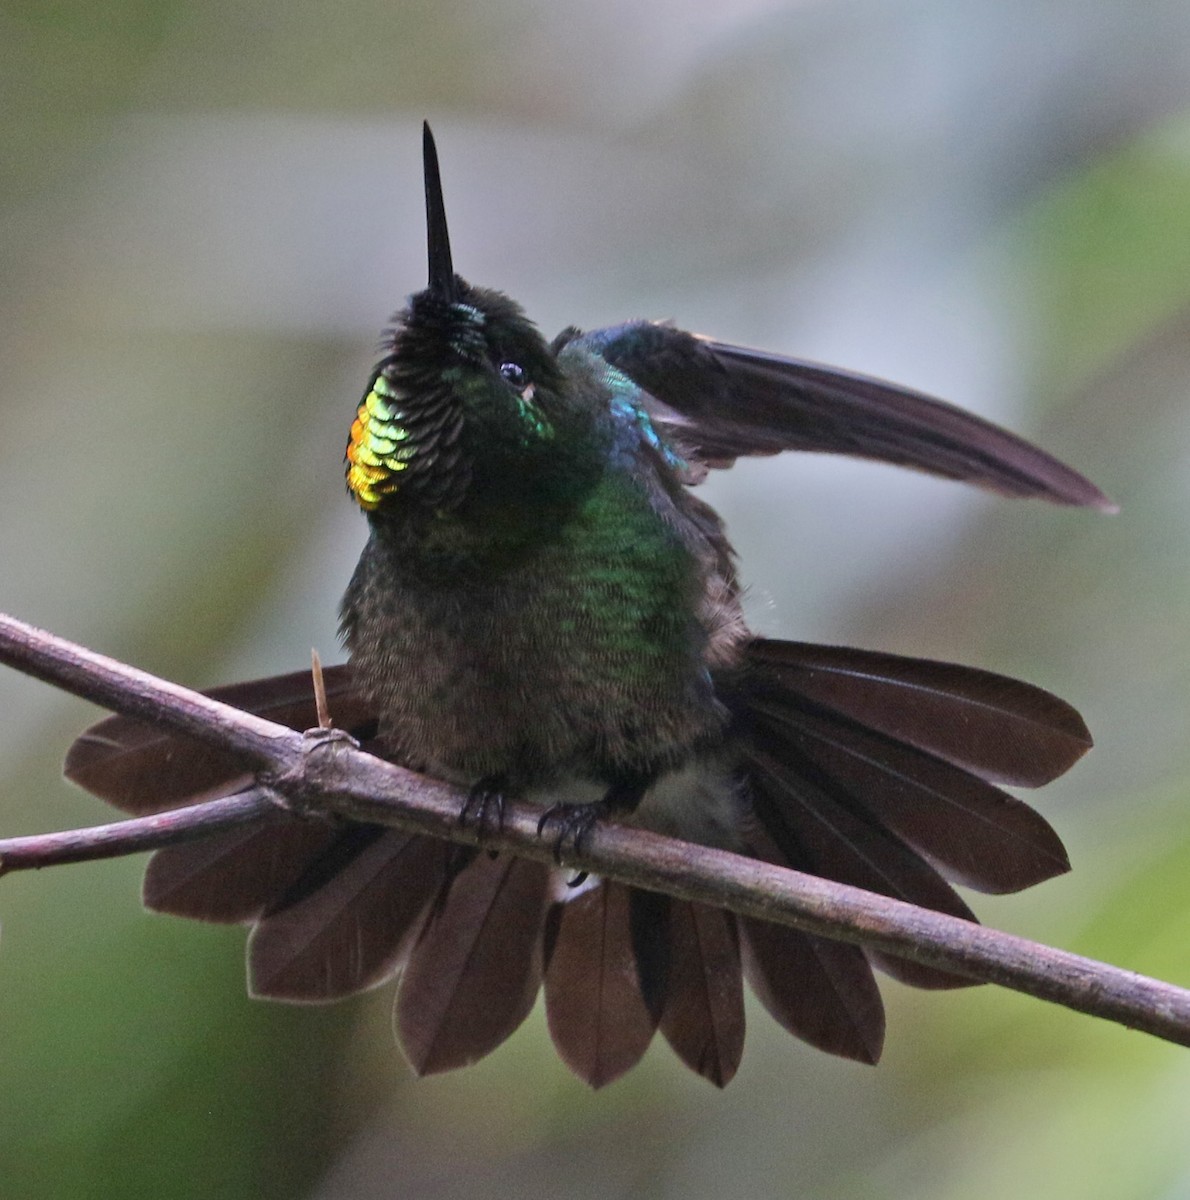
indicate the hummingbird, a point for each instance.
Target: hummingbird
{"x":545,"y":609}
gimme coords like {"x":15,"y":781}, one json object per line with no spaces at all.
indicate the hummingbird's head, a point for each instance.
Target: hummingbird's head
{"x":467,"y":387}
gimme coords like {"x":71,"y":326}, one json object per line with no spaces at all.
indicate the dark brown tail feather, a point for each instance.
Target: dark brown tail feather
{"x":975,"y":833}
{"x":816,"y":833}
{"x":873,"y":769}
{"x":822,"y":992}
{"x":908,"y":745}
{"x":233,"y":877}
{"x":597,"y":1014}
{"x":142,"y":768}
{"x":1000,"y":729}
{"x":474,"y":973}
{"x":347,"y":923}
{"x":703,"y":1018}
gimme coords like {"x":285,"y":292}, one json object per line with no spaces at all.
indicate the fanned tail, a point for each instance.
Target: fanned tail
{"x":334,"y":908}
{"x":871,"y":769}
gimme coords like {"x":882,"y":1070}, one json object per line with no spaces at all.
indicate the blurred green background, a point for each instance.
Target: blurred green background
{"x":207,"y":213}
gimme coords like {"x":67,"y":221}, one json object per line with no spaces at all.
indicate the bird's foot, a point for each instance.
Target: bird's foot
{"x":574,"y":822}
{"x":484,"y":807}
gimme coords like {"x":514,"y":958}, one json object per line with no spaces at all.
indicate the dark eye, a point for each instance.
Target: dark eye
{"x":513,"y":373}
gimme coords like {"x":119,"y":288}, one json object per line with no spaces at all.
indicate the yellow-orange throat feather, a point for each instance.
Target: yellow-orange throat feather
{"x":379,"y":448}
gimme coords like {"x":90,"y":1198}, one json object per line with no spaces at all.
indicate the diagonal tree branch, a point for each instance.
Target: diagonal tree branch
{"x":323,"y":772}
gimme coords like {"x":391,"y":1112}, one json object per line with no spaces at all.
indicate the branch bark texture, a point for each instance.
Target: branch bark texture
{"x":323,"y":773}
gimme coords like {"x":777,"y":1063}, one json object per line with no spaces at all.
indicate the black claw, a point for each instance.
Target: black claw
{"x":574,"y":822}
{"x":485,"y":807}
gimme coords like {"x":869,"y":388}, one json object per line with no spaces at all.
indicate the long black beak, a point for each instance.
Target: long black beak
{"x":442,"y":275}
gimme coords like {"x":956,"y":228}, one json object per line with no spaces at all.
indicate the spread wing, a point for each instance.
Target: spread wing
{"x":722,"y":402}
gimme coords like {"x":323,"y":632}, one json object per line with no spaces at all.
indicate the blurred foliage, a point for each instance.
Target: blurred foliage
{"x":1110,"y":255}
{"x":207,"y":213}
